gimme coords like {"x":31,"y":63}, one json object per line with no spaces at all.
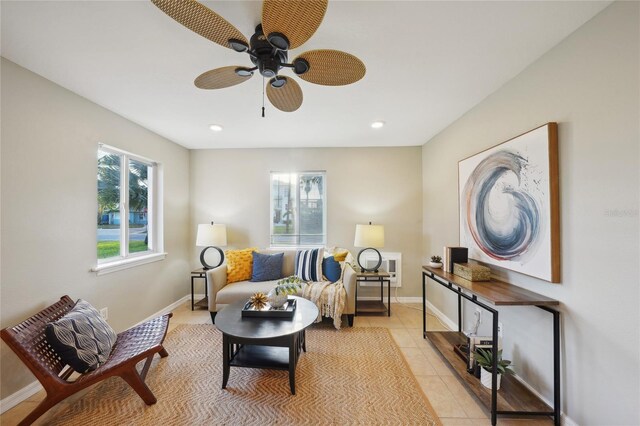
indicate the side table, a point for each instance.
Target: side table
{"x":202,"y":303}
{"x":374,"y":306}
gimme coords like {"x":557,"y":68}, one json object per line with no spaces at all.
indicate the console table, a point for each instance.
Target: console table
{"x":513,"y":398}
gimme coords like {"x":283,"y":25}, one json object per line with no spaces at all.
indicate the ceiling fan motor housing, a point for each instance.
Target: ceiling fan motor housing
{"x":268,"y":59}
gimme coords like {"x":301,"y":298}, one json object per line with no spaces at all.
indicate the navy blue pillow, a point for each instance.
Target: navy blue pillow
{"x":331,"y":269}
{"x":267,"y":267}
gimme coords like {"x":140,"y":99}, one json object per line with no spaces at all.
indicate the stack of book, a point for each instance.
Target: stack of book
{"x":454,"y":255}
{"x":475,"y":342}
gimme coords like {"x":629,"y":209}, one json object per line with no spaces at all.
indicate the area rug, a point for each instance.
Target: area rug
{"x":351,"y":376}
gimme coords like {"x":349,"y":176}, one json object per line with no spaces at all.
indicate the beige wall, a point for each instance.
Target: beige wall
{"x":382,"y":185}
{"x":49,"y":143}
{"x":589,"y":85}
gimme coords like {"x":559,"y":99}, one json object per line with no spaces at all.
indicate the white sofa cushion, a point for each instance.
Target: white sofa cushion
{"x":233,"y":292}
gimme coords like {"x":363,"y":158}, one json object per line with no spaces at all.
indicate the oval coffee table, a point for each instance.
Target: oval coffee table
{"x":270,"y":343}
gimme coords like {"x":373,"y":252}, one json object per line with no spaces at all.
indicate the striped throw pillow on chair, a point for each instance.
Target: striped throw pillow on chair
{"x":308,"y":265}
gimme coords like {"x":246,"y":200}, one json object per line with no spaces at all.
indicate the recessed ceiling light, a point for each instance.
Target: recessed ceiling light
{"x":377,"y":124}
{"x":216,"y":127}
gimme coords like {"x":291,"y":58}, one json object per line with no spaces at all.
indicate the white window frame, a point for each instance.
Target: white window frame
{"x":155,"y":232}
{"x":297,"y":208}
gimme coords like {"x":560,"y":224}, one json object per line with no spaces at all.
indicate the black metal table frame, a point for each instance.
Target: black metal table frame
{"x":232,"y":347}
{"x":197,"y":275}
{"x":381,"y":279}
{"x":494,"y":379}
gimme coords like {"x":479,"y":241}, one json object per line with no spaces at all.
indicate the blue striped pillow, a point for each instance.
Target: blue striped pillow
{"x":308,"y":265}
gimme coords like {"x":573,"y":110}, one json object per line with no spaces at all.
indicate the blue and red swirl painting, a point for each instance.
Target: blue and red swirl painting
{"x":504,"y":229}
{"x":504,"y":205}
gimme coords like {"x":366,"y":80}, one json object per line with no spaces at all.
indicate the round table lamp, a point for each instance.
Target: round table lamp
{"x":371,"y":237}
{"x":210,"y":237}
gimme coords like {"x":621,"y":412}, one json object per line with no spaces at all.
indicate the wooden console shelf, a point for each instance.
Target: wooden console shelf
{"x":513,"y":398}
{"x":497,"y":292}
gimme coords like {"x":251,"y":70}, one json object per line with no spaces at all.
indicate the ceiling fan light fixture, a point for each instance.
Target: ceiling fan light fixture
{"x":300,"y":66}
{"x":244,"y":72}
{"x":238,"y":45}
{"x":215,"y":128}
{"x":277,"y":83}
{"x":279,"y":41}
{"x":377,"y":124}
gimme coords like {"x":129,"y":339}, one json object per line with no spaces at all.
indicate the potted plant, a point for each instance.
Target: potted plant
{"x":436,"y":262}
{"x":484,"y":358}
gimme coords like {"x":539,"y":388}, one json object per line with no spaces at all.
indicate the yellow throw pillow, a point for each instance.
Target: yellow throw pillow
{"x":340,"y":256}
{"x":239,"y":264}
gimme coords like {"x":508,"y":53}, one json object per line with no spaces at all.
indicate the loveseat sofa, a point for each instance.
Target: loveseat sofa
{"x":221,"y":294}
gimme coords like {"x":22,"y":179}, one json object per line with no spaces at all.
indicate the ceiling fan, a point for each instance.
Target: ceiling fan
{"x":286,"y":24}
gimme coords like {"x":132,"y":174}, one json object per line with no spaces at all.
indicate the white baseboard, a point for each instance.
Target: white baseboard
{"x":169,"y":308}
{"x":22,"y":395}
{"x":564,"y":419}
{"x":34,"y":387}
{"x":445,"y":320}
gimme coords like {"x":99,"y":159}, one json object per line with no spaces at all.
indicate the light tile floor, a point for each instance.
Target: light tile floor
{"x":452,"y":403}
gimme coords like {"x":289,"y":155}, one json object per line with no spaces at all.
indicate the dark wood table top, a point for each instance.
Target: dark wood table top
{"x":497,"y":292}
{"x":230,"y":321}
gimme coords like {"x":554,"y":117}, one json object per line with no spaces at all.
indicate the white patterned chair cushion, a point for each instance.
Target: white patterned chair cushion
{"x":81,"y":338}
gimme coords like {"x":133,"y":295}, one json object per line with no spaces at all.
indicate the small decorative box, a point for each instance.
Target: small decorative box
{"x":472,"y":271}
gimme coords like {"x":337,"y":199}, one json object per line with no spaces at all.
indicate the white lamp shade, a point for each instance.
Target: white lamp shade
{"x":369,"y":236}
{"x":214,"y":234}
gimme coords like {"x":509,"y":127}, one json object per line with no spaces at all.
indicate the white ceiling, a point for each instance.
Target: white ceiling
{"x":427,"y":64}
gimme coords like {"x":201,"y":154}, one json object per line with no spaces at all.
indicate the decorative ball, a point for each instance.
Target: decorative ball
{"x":277,"y":299}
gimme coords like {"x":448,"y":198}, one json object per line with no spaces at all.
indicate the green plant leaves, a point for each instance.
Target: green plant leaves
{"x":484,"y":358}
{"x":289,"y":285}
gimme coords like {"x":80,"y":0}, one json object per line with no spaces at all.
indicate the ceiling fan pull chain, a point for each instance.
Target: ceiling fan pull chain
{"x":263,"y":97}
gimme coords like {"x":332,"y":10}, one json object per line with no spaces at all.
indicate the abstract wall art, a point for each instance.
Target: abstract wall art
{"x":509,"y":208}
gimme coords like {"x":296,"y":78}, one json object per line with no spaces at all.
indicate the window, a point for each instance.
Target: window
{"x":126,"y":216}
{"x":298,"y":210}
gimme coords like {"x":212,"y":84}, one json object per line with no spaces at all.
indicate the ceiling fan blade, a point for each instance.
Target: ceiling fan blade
{"x":202,"y":20}
{"x":220,"y":77}
{"x":298,"y":20}
{"x":287,"y":98}
{"x":332,"y":67}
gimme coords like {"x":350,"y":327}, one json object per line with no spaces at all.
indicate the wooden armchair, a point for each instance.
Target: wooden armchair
{"x":28,"y":341}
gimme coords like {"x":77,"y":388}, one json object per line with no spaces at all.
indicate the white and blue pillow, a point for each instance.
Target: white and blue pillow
{"x":81,"y":338}
{"x":308,"y":266}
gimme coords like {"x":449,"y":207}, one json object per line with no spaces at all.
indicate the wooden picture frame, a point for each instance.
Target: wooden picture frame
{"x":509,"y":204}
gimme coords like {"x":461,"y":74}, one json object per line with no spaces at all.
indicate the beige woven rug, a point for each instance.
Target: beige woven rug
{"x":351,"y":376}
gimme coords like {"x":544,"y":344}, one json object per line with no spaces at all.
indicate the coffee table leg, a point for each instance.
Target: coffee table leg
{"x":293,"y":356}
{"x":225,"y":360}
{"x":304,"y":340}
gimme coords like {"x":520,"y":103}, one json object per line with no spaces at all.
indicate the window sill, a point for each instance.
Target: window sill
{"x":296,"y":247}
{"x":119,"y":265}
